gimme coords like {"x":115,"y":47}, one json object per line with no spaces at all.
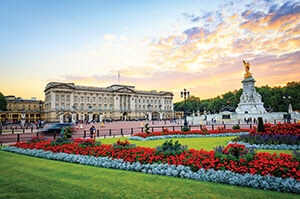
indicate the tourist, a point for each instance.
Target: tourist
{"x":92,"y":132}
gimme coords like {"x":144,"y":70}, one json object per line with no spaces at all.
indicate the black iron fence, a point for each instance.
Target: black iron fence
{"x":105,"y":132}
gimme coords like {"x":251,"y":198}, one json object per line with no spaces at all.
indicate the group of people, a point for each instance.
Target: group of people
{"x":249,"y":120}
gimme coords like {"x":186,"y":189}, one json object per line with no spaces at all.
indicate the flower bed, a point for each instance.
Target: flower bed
{"x":185,"y":136}
{"x":279,"y":129}
{"x":204,"y":131}
{"x":264,"y":164}
{"x":266,"y":146}
{"x":209,"y":175}
{"x":268,"y":139}
{"x":284,"y":136}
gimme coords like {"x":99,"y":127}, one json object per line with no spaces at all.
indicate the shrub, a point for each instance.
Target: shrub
{"x":170,"y":148}
{"x":236,"y":127}
{"x":147,"y":128}
{"x":185,"y":129}
{"x":260,"y":127}
{"x":67,"y":132}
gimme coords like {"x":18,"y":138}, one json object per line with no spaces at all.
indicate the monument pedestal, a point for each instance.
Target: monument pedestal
{"x":250,"y":101}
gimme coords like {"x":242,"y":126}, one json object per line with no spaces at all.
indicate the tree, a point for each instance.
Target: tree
{"x":271,"y":97}
{"x":3,"y":102}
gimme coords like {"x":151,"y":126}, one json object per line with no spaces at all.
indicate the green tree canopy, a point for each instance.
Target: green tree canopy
{"x":3,"y":102}
{"x":272,"y":98}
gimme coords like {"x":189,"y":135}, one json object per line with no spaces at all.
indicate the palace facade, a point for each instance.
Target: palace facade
{"x":19,"y":109}
{"x":67,"y":102}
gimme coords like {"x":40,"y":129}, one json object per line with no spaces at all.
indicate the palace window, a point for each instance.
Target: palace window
{"x":81,"y":98}
{"x":68,"y":107}
{"x":62,"y":98}
{"x":62,"y":107}
{"x":68,"y":98}
{"x":81,"y":107}
{"x":75,"y":98}
{"x":56,"y":97}
{"x":100,"y":100}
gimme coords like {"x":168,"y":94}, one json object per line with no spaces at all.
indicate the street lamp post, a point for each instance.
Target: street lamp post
{"x":288,"y":116}
{"x":174,"y":119}
{"x":40,"y":105}
{"x":185,"y":94}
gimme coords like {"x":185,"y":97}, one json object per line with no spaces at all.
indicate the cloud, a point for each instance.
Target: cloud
{"x":109,"y":37}
{"x":264,"y":32}
{"x":206,"y":56}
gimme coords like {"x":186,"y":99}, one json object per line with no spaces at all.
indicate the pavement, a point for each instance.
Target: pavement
{"x":110,"y":129}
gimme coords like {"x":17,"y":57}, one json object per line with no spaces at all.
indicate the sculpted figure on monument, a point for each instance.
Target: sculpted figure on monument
{"x":247,"y":68}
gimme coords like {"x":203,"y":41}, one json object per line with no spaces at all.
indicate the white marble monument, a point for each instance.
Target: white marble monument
{"x":250,"y":101}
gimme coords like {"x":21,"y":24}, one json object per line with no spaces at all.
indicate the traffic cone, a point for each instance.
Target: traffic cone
{"x":102,"y":124}
{"x":142,"y":124}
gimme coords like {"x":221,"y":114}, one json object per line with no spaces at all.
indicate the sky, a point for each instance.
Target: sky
{"x":155,"y":45}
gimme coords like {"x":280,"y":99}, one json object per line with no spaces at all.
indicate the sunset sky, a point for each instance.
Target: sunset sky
{"x":156,"y":45}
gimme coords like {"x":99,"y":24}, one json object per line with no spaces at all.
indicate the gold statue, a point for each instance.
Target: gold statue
{"x":247,"y":68}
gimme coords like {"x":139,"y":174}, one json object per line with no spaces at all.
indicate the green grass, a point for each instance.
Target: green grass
{"x":28,"y":177}
{"x":193,"y":143}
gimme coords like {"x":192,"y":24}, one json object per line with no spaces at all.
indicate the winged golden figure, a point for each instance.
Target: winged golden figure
{"x":247,"y":68}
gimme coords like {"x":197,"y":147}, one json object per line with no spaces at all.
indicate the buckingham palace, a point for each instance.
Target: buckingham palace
{"x":67,"y":102}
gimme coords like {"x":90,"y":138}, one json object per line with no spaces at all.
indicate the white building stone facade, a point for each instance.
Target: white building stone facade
{"x":67,"y":102}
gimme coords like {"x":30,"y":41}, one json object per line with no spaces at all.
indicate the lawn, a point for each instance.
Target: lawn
{"x":28,"y":177}
{"x":193,"y":143}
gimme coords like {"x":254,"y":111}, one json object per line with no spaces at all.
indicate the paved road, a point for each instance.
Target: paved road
{"x":110,"y":129}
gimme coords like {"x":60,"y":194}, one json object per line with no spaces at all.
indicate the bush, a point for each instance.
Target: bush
{"x":170,"y":148}
{"x":236,"y":127}
{"x":67,"y":132}
{"x":261,"y":127}
{"x":147,"y":128}
{"x":185,"y":129}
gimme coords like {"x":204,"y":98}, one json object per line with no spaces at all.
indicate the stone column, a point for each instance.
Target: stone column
{"x":74,"y":118}
{"x":52,"y":102}
{"x":61,"y":118}
{"x":71,"y":100}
